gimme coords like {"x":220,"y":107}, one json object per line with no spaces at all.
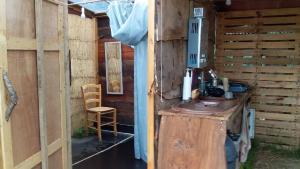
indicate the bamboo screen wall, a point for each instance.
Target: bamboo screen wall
{"x":84,"y":63}
{"x":261,"y":47}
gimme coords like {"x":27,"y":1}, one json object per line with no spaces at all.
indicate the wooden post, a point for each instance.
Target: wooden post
{"x":41,"y":82}
{"x":64,"y":83}
{"x":150,"y":100}
{"x":6,"y":156}
{"x":68,"y":148}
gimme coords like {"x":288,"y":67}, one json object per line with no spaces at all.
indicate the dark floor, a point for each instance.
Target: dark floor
{"x":121,"y":128}
{"x":85,"y":147}
{"x":119,"y":157}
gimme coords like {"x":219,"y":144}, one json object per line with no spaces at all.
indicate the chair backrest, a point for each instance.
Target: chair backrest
{"x":91,"y":95}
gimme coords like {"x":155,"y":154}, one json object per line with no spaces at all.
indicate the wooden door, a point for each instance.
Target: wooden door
{"x":33,"y":49}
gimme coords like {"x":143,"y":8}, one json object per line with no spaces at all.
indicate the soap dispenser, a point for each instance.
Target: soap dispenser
{"x":187,"y":85}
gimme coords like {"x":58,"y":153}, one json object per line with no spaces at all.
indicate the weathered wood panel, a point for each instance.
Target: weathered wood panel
{"x":184,"y":146}
{"x":172,"y":23}
{"x":22,"y":66}
{"x":52,"y":93}
{"x":123,"y":103}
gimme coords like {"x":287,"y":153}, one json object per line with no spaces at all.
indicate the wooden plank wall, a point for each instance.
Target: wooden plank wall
{"x":84,"y":62}
{"x":124,"y":103}
{"x":256,"y":4}
{"x":261,"y":47}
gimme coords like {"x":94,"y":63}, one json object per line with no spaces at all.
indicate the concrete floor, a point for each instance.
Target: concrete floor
{"x":119,"y":157}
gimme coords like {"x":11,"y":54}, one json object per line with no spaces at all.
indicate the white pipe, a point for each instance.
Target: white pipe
{"x":82,"y":13}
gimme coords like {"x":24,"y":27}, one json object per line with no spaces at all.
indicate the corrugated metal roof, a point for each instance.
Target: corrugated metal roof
{"x":96,"y":7}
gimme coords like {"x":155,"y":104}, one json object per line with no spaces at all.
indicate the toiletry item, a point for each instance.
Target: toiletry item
{"x":195,"y":94}
{"x":187,"y":85}
{"x":214,"y":78}
{"x":225,"y":84}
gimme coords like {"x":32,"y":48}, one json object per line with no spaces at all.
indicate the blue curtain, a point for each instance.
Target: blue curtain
{"x":129,"y":24}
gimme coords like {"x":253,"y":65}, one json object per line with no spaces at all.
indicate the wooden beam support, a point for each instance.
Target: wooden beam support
{"x":67,"y":123}
{"x":57,"y":2}
{"x":36,"y":158}
{"x":6,"y":155}
{"x":150,"y":100}
{"x":41,"y":82}
{"x":64,"y":84}
{"x":30,"y":44}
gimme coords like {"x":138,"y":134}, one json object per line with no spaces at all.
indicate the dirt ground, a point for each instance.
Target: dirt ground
{"x":267,"y":159}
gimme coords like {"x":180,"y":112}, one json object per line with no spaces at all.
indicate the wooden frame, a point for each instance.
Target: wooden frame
{"x":114,"y":76}
{"x":6,"y":158}
{"x":66,"y":96}
{"x":150,"y":99}
{"x":60,"y":143}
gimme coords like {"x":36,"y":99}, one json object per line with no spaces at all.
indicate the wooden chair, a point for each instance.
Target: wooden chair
{"x":95,"y":113}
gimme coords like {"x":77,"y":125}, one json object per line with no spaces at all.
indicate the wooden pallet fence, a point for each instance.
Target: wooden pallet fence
{"x":261,"y":47}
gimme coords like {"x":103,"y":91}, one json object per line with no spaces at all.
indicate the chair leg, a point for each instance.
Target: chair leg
{"x":115,"y":122}
{"x":86,"y":126}
{"x":99,"y":126}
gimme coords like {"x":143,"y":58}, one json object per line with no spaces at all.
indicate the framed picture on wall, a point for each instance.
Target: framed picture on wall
{"x":113,"y":64}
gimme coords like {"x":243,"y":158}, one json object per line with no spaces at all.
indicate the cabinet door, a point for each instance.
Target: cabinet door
{"x":195,"y":143}
{"x":32,"y":48}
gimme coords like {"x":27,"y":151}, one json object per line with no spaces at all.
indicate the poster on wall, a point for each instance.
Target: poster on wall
{"x":113,"y":64}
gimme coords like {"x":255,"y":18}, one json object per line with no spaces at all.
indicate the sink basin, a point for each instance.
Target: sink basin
{"x":208,"y":105}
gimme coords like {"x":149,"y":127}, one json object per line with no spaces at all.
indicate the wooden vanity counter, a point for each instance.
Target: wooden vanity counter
{"x":193,"y":140}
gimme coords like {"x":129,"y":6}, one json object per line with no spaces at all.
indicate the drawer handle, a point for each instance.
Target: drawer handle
{"x":13,"y":98}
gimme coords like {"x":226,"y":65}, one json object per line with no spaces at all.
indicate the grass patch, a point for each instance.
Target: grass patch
{"x":80,"y":132}
{"x":282,"y":152}
{"x":256,"y":147}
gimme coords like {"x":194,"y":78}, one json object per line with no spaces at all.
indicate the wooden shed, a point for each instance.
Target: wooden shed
{"x":254,"y":42}
{"x":48,"y":53}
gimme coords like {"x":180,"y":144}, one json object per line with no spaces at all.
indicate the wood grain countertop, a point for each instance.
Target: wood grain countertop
{"x":225,"y":110}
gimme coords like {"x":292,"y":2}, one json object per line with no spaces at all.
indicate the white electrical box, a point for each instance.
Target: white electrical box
{"x":198,"y":12}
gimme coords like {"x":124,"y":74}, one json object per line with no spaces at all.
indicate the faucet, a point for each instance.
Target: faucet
{"x":214,"y":76}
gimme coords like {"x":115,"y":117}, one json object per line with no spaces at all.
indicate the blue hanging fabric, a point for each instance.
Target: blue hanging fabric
{"x":129,"y":24}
